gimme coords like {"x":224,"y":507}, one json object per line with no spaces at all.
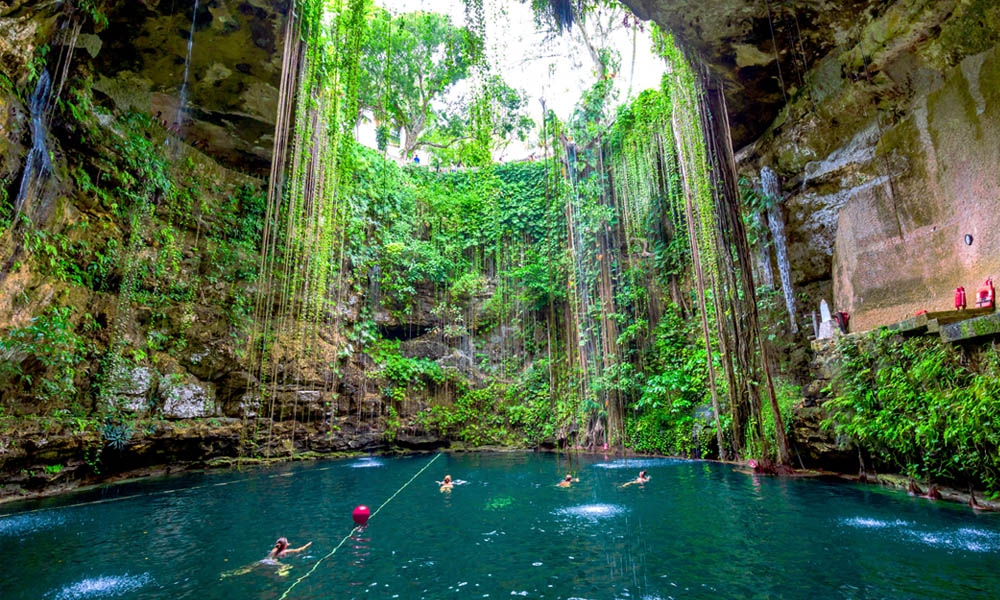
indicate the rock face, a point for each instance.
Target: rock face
{"x":230,"y":52}
{"x":881,"y":117}
{"x":210,"y":75}
{"x":889,"y":163}
{"x":758,"y":52}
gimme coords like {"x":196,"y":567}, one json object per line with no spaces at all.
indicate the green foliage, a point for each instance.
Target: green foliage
{"x":660,"y":432}
{"x":918,"y":405}
{"x":469,"y":133}
{"x":678,"y":361}
{"x":392,"y":425}
{"x":36,"y":64}
{"x":474,"y":418}
{"x":69,"y":256}
{"x":90,"y":10}
{"x":44,"y":355}
{"x":403,"y":371}
{"x":534,"y":412}
{"x":665,"y":416}
{"x":117,"y":435}
{"x":410,"y":61}
{"x":787,"y":395}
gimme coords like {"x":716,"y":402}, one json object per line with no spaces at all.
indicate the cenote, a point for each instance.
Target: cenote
{"x":695,"y":530}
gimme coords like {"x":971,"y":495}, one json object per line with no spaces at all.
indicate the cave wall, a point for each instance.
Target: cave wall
{"x":881,"y":119}
{"x":888,"y":159}
{"x":184,"y":335}
{"x":139,"y":58}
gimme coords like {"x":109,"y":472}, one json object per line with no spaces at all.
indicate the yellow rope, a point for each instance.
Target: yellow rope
{"x":355,"y":530}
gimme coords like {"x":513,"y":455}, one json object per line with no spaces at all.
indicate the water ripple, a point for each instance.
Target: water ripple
{"x":102,"y":587}
{"x":970,"y":540}
{"x":645,"y":463}
{"x":591,"y":511}
{"x":966,"y":538}
{"x":870,"y":523}
{"x":22,"y":524}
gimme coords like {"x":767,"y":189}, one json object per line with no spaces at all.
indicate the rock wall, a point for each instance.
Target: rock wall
{"x":889,"y":159}
{"x":226,"y":56}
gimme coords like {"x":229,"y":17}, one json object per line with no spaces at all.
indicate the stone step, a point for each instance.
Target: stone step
{"x":972,"y":328}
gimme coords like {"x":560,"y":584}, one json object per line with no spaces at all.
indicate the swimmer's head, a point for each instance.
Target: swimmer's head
{"x":447,"y":478}
{"x":642,"y":473}
{"x":281,"y":544}
{"x":569,"y":478}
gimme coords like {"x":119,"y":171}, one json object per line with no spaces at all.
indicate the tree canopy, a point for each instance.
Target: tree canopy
{"x":409,"y":62}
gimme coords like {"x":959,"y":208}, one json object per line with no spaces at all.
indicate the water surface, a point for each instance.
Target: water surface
{"x":696,"y":530}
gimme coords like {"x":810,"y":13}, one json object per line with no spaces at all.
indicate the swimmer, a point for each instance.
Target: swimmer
{"x":281,"y":549}
{"x":641,"y":479}
{"x":568,"y":481}
{"x":447,"y":484}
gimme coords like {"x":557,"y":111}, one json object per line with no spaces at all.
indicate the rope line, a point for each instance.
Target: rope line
{"x":356,"y":528}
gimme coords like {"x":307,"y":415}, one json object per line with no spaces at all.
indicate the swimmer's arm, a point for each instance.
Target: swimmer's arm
{"x":299,"y":549}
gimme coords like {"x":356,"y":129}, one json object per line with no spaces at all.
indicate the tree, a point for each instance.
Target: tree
{"x":410,"y":62}
{"x":492,"y":119}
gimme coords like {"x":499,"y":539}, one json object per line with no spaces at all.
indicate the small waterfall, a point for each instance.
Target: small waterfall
{"x":763,"y":255}
{"x":37,"y":166}
{"x":182,"y":100}
{"x":769,"y":181}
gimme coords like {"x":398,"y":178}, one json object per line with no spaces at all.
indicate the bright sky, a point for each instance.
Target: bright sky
{"x":557,"y":70}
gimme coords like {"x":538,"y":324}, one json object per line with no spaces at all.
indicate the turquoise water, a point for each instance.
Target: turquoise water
{"x":696,"y":530}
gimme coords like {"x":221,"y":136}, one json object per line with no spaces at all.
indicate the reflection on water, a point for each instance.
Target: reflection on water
{"x":965,"y":538}
{"x":23,"y":524}
{"x":101,"y":587}
{"x":695,"y":530}
{"x":638,"y":463}
{"x":592,"y":511}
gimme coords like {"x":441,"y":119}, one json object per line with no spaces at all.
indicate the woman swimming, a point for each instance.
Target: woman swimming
{"x":568,"y":481}
{"x":641,"y":479}
{"x":281,"y":549}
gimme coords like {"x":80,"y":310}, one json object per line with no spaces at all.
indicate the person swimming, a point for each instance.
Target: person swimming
{"x":641,"y":479}
{"x":281,"y":549}
{"x":447,"y":484}
{"x":568,"y":481}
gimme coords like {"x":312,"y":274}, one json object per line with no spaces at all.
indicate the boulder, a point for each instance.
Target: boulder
{"x":186,"y":398}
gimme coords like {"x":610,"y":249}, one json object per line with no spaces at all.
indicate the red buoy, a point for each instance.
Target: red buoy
{"x":960,"y":298}
{"x":984,"y":297}
{"x":360,"y":515}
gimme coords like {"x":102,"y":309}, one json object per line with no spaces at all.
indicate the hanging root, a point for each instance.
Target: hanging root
{"x":972,"y":500}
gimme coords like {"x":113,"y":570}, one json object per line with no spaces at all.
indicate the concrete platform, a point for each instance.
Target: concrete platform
{"x":934,"y":322}
{"x":971,"y":329}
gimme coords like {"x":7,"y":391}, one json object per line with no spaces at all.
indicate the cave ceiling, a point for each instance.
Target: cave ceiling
{"x":758,"y":51}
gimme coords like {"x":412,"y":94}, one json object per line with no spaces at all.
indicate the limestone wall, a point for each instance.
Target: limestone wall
{"x":891,"y":156}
